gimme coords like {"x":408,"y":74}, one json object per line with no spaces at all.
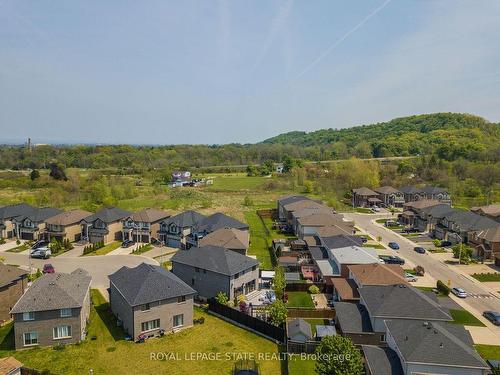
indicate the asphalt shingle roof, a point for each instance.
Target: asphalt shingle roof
{"x":14,"y":210}
{"x":150,"y":215}
{"x":9,"y":273}
{"x":39,"y":214}
{"x":148,"y":283}
{"x":387,"y":190}
{"x":400,"y":301}
{"x":55,"y":291}
{"x":216,"y":259}
{"x":68,"y":217}
{"x":434,"y":343}
{"x":378,"y":274}
{"x":185,"y":219}
{"x":468,"y":221}
{"x":108,"y":215}
{"x":342,"y":240}
{"x":433,"y":190}
{"x":410,"y":190}
{"x":299,"y":326}
{"x":439,"y":211}
{"x":228,"y":238}
{"x":218,"y":221}
{"x":352,"y":317}
{"x":355,"y":255}
{"x":364,"y":191}
{"x":291,"y":198}
{"x":382,"y":361}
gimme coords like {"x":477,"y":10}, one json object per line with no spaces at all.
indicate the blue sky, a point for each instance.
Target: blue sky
{"x":168,"y":72}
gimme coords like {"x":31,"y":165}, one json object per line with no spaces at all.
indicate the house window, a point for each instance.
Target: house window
{"x":30,"y":338}
{"x":149,"y":326}
{"x":181,"y":299}
{"x":62,"y":332}
{"x":65,"y":313}
{"x":178,"y":320}
{"x":145,"y":307}
{"x":192,"y":281}
{"x":383,"y":338}
{"x":29,"y":316}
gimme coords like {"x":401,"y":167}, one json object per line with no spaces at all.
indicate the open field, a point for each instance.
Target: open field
{"x":109,"y":353}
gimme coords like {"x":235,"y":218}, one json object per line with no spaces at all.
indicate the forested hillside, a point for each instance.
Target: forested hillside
{"x":448,"y":135}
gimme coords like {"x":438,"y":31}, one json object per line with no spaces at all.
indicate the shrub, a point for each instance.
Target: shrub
{"x":313,"y":289}
{"x":443,"y":288}
{"x":222,"y":298}
{"x":436,"y":243}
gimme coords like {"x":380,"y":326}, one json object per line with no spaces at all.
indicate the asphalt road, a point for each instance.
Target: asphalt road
{"x":435,"y":267}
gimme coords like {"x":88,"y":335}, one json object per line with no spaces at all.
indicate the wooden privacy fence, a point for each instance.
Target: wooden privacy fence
{"x":298,"y":312}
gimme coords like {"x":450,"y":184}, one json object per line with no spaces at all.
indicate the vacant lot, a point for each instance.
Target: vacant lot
{"x":109,"y":353}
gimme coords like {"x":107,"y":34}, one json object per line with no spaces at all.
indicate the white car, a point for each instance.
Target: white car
{"x":410,"y":277}
{"x":41,"y":252}
{"x":459,"y":292}
{"x":375,"y":209}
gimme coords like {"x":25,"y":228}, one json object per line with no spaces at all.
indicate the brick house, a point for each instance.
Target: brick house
{"x":13,"y":282}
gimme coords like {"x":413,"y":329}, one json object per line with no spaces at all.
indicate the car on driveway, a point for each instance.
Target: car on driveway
{"x":394,"y":245}
{"x":41,"y":252}
{"x":375,"y":209}
{"x":390,"y":259}
{"x":410,"y":277}
{"x":363,"y":239}
{"x":48,"y":268}
{"x":419,"y":249}
{"x":445,"y":243}
{"x":493,"y":316}
{"x":127,"y":243}
{"x":459,"y":292}
{"x":40,"y":244}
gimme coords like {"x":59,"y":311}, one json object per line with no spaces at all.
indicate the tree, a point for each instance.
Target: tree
{"x":34,"y":175}
{"x":313,"y":289}
{"x":337,"y":355}
{"x":57,"y":172}
{"x":288,"y":164}
{"x":462,"y":252}
{"x":222,"y":298}
{"x":277,"y":312}
{"x":308,"y":187}
{"x":279,"y":282}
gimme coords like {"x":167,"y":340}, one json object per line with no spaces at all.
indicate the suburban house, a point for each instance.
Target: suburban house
{"x":105,"y":225}
{"x":344,"y":290}
{"x":426,"y":219}
{"x":381,"y":361}
{"x":412,"y":193}
{"x":349,"y":255}
{"x":390,"y":196}
{"x":364,"y":197}
{"x":211,"y":269}
{"x":425,"y":347}
{"x":492,"y":211}
{"x":320,"y":209}
{"x":282,"y":214}
{"x":7,"y":215}
{"x":53,"y":311}
{"x":148,"y":300}
{"x":486,"y":242}
{"x":143,"y":225}
{"x":459,"y":225}
{"x":308,"y":225}
{"x":228,"y":238}
{"x":13,"y":282}
{"x":300,"y":206}
{"x":210,"y":224}
{"x":31,"y":226}
{"x":174,"y":230}
{"x":352,"y":321}
{"x":334,"y":230}
{"x":434,"y":192}
{"x":66,"y":225}
{"x":412,"y":211}
{"x":340,"y":240}
{"x":10,"y":366}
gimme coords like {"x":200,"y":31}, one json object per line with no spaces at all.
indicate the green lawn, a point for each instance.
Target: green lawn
{"x":299,"y":299}
{"x":18,"y":249}
{"x":143,"y":249}
{"x":375,"y":246}
{"x":362,"y":210}
{"x":274,"y":233}
{"x":298,"y":366}
{"x":488,"y":351}
{"x":485,"y":277}
{"x":106,"y":249}
{"x":466,"y":318}
{"x":260,"y":242}
{"x":110,"y":354}
{"x":236,"y":182}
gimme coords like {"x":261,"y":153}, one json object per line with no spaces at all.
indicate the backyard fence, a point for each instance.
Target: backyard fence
{"x":269,"y":330}
{"x":302,"y":347}
{"x":299,"y":312}
{"x":304,"y":287}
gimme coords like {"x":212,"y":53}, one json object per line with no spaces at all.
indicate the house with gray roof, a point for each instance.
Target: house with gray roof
{"x":143,"y":226}
{"x":282,"y":214}
{"x":353,"y":321}
{"x":228,"y":238}
{"x":174,"y":231}
{"x":13,"y":283}
{"x":105,"y":225}
{"x":53,"y":311}
{"x":412,"y":193}
{"x":390,"y":196}
{"x":340,"y":240}
{"x":149,"y":299}
{"x":7,"y":215}
{"x":397,"y":302}
{"x":212,"y":269}
{"x":459,"y":225}
{"x":211,"y":224}
{"x":438,"y":193}
{"x":426,"y":219}
{"x":31,"y":225}
{"x":381,"y":361}
{"x":425,"y":347}
{"x":364,"y":197}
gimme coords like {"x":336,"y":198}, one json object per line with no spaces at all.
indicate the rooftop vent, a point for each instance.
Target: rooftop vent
{"x":441,"y":345}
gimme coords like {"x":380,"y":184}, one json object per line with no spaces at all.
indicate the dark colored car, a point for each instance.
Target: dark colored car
{"x":394,"y":245}
{"x":363,"y":239}
{"x":445,"y":243}
{"x":127,"y":243}
{"x":156,"y":242}
{"x":389,"y":259}
{"x":419,"y":250}
{"x":48,"y":268}
{"x":493,"y":316}
{"x":411,"y":230}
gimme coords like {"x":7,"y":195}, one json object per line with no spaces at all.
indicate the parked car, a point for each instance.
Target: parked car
{"x":48,"y":268}
{"x":410,"y":277}
{"x":390,"y":223}
{"x":375,"y":209}
{"x":411,"y":230}
{"x":127,"y":243}
{"x":419,"y":250}
{"x":40,"y":244}
{"x":394,"y":245}
{"x":459,"y":292}
{"x":363,"y":239}
{"x":492,"y":316}
{"x":390,"y":259}
{"x":445,"y":243}
{"x":42,"y":253}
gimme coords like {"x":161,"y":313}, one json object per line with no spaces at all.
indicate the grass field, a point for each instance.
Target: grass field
{"x":298,"y":366}
{"x":106,"y":249}
{"x":111,"y":354}
{"x":466,"y":318}
{"x":299,"y":299}
{"x":488,"y":351}
{"x":259,"y":240}
{"x":486,"y":277}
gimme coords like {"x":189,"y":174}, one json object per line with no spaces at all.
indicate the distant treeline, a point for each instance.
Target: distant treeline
{"x":446,"y":135}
